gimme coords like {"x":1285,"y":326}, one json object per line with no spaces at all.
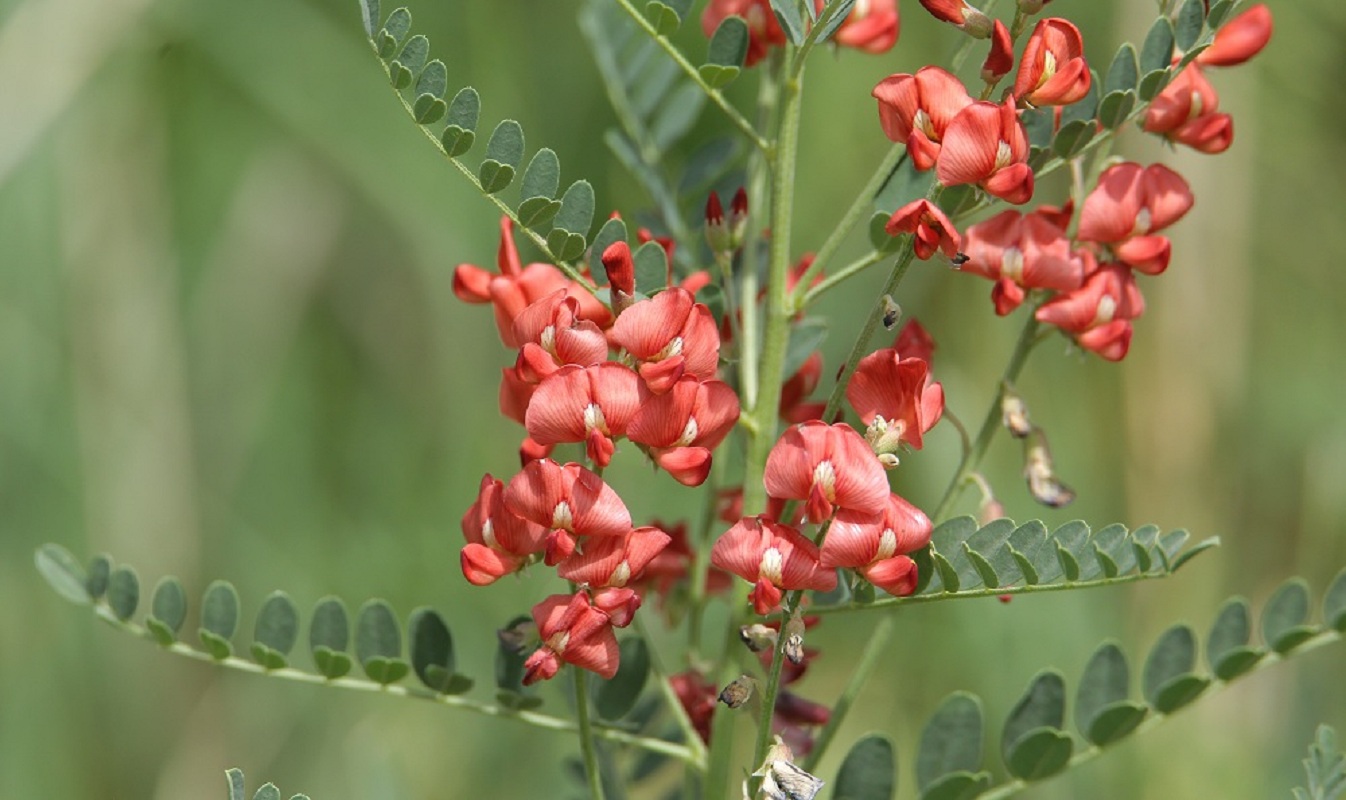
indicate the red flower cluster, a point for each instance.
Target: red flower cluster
{"x":872,"y":26}
{"x":659,"y":390}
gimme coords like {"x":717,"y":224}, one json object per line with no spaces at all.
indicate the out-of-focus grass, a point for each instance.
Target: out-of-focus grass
{"x":228,"y":348}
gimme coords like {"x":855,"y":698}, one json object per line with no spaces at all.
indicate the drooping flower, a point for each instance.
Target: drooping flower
{"x":1000,"y":60}
{"x":593,"y":405}
{"x":961,"y":15}
{"x":614,"y":561}
{"x":1129,"y":207}
{"x":573,"y":631}
{"x":986,"y":144}
{"x":894,"y":396}
{"x":517,"y":287}
{"x":876,"y":545}
{"x":827,"y":466}
{"x":1098,"y":314}
{"x":1187,"y":112}
{"x":552,"y":334}
{"x":775,"y":558}
{"x":499,"y":541}
{"x":1239,"y":39}
{"x":932,"y":229}
{"x":682,"y":426}
{"x":668,"y":336}
{"x":569,"y":501}
{"x":1021,"y":252}
{"x":916,"y":110}
{"x":872,"y":26}
{"x":1052,"y":70}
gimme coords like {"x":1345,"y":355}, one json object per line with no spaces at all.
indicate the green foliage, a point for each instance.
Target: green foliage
{"x":267,"y":791}
{"x":1188,"y":24}
{"x":614,"y":699}
{"x":842,"y":11}
{"x":1103,"y":712}
{"x":1334,"y":603}
{"x":509,"y":673}
{"x":869,"y":771}
{"x":1325,"y":768}
{"x":123,"y":592}
{"x":219,"y":619}
{"x":276,"y":631}
{"x":1284,"y":620}
{"x":651,"y":262}
{"x":378,"y":642}
{"x":432,"y":654}
{"x":726,"y":53}
{"x":63,"y":573}
{"x":168,"y":610}
{"x":787,"y":14}
{"x":1032,"y":743}
{"x":328,"y":637}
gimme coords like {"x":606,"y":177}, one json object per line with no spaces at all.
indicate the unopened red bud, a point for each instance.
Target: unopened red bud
{"x":738,"y":217}
{"x":621,"y":270}
{"x":737,"y":692}
{"x":717,"y":228}
{"x":1000,"y":60}
{"x":1005,"y":598}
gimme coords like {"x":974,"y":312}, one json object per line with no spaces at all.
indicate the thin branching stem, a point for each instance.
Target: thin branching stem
{"x":455,"y":701}
{"x":686,"y":66}
{"x":592,"y":775}
{"x":831,"y":281}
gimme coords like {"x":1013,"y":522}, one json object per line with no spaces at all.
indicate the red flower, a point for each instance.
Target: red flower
{"x":895,"y":398}
{"x":764,"y":32}
{"x":517,"y":287}
{"x":614,"y":561}
{"x":914,"y":341}
{"x":1239,"y":39}
{"x":1052,"y":71}
{"x":916,"y":110}
{"x":568,"y":501}
{"x":1099,"y":313}
{"x":1130,"y":205}
{"x":498,"y":541}
{"x":931,"y":228}
{"x":798,"y":387}
{"x":1000,"y":60}
{"x":671,"y":566}
{"x":573,"y":631}
{"x":682,"y":426}
{"x":1186,"y":112}
{"x":872,"y":26}
{"x":827,"y":466}
{"x":585,"y":404}
{"x":876,"y":544}
{"x":1023,"y":251}
{"x":774,"y":557}
{"x":698,"y":699}
{"x":669,"y":335}
{"x":960,"y":15}
{"x":986,"y":145}
{"x":553,"y":335}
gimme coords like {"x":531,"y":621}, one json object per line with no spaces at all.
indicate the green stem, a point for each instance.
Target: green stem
{"x":971,"y":459}
{"x":874,"y":647}
{"x":859,"y":207}
{"x":695,"y":76}
{"x":776,"y":331}
{"x":763,"y":741}
{"x":660,"y":675}
{"x":1320,"y":639}
{"x":454,"y":701}
{"x":861,"y":346}
{"x":831,"y":281}
{"x":591,"y":771}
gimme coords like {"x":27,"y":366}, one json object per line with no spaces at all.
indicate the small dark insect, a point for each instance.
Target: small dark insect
{"x":959,"y":259}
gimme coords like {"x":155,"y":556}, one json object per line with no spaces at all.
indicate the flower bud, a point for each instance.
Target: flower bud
{"x":738,"y":691}
{"x":621,"y":270}
{"x":738,"y":217}
{"x":717,"y":228}
{"x":1014,"y":413}
{"x":1000,"y":60}
{"x":976,"y":24}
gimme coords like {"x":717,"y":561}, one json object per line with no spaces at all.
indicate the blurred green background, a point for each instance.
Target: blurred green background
{"x":229,"y":349}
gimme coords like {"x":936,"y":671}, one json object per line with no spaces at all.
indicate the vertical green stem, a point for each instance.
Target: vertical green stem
{"x":874,"y":647}
{"x":587,"y":749}
{"x":776,"y":332}
{"x":972,"y":457}
{"x":772,"y":689}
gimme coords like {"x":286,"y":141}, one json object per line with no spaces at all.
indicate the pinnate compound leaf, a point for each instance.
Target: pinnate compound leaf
{"x":394,"y":32}
{"x":123,"y":592}
{"x":787,"y":14}
{"x":378,"y":642}
{"x":1334,"y":603}
{"x":276,"y":630}
{"x":567,"y":239}
{"x":651,"y":262}
{"x":1043,"y":705}
{"x":1285,"y":615}
{"x":614,"y":699}
{"x":1229,"y":632}
{"x":869,"y":771}
{"x":957,"y":786}
{"x":1039,"y":754}
{"x":168,"y":610}
{"x":463,"y":114}
{"x":1187,"y":26}
{"x":100,"y":567}
{"x":951,"y":741}
{"x":432,"y":654}
{"x":728,"y":49}
{"x":63,"y":573}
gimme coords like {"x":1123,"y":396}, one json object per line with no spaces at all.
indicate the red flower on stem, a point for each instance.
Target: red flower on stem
{"x":1052,"y":71}
{"x":1098,"y":314}
{"x":931,"y":228}
{"x":894,"y":396}
{"x":1239,"y":39}
{"x":764,"y":32}
{"x":961,"y":15}
{"x":499,"y":542}
{"x":1023,"y":251}
{"x":916,"y":110}
{"x":668,"y":336}
{"x":682,"y":426}
{"x":552,"y":334}
{"x":569,"y":501}
{"x":1000,"y":60}
{"x":1187,"y":112}
{"x":872,"y":26}
{"x":986,"y":144}
{"x":573,"y":631}
{"x":875,"y":545}
{"x":828,"y":467}
{"x":593,"y":405}
{"x":1128,"y":208}
{"x":775,"y":558}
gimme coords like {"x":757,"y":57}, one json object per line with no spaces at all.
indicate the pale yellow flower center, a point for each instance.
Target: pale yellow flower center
{"x":1012,"y":264}
{"x":772,"y":566}
{"x":562,"y":517}
{"x":1003,"y":155}
{"x":825,"y":478}
{"x":887,"y":545}
{"x":620,"y":575}
{"x":1048,"y":69}
{"x":1107,"y":307}
{"x":689,"y":433}
{"x":594,"y":420}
